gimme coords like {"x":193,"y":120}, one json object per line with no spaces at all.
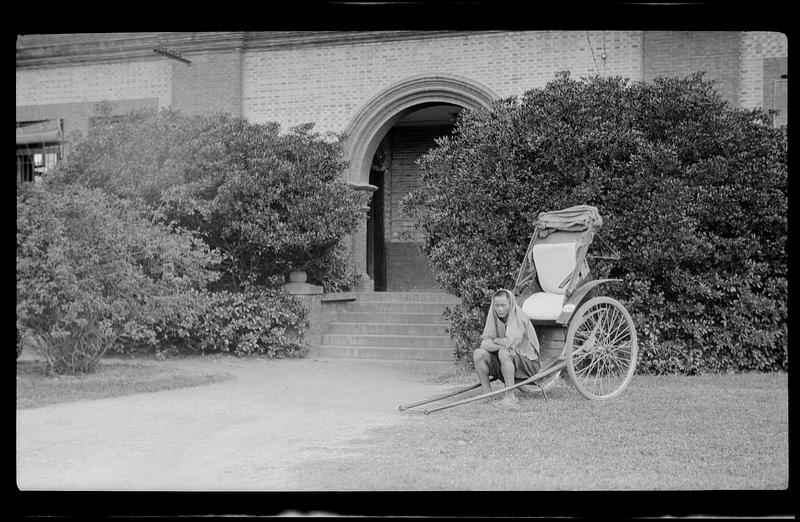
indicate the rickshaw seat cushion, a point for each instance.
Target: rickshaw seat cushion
{"x":554,"y":262}
{"x":543,"y":306}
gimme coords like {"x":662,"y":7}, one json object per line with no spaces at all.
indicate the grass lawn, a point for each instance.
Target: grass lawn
{"x":114,"y":377}
{"x":717,"y":432}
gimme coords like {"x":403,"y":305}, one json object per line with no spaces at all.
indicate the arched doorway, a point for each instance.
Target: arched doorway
{"x":384,"y":139}
{"x":394,"y":261}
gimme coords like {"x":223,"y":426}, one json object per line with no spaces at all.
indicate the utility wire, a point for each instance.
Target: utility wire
{"x":604,"y":53}
{"x":592,"y":49}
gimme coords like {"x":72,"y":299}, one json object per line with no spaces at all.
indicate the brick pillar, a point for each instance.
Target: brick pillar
{"x":358,"y":242}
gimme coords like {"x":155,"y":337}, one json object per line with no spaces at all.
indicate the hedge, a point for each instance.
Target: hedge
{"x":693,"y":192}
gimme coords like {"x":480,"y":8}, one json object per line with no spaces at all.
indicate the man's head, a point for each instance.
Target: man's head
{"x":501,"y":303}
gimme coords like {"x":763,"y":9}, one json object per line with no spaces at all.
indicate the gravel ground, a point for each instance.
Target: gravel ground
{"x":243,"y":434}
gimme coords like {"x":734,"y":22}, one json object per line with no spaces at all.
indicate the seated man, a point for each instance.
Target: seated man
{"x":509,"y":348}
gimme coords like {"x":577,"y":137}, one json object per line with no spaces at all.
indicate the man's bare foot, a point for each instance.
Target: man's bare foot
{"x":493,"y":398}
{"x":509,"y":402}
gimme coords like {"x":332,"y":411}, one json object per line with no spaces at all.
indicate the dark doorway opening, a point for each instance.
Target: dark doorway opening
{"x":376,"y":248}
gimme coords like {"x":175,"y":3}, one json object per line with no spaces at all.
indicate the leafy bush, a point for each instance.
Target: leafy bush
{"x":91,"y":267}
{"x":20,"y":346}
{"x":269,"y":202}
{"x":693,"y":193}
{"x":255,"y":320}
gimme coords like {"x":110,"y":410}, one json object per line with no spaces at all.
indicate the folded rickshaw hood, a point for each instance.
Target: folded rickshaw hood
{"x":572,"y":219}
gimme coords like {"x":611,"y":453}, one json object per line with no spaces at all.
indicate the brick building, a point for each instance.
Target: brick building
{"x":392,"y":92}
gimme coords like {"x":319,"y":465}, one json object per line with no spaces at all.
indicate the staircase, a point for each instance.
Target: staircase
{"x":391,"y":325}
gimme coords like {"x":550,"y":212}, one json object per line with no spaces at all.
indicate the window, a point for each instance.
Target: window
{"x":38,"y":148}
{"x":780,"y":95}
{"x":108,"y":119}
{"x":776,"y":88}
{"x":33,"y":162}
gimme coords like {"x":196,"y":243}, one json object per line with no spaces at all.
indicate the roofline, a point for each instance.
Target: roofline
{"x":105,"y":48}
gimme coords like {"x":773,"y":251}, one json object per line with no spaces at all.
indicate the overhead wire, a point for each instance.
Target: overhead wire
{"x":592,"y":49}
{"x":604,"y":53}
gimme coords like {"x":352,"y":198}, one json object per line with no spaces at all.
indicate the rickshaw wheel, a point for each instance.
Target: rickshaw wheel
{"x":601,"y":348}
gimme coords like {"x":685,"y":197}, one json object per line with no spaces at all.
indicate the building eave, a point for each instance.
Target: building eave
{"x":60,"y":50}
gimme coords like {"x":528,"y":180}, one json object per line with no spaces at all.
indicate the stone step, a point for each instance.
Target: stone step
{"x":394,"y":341}
{"x":395,"y":306}
{"x":386,"y":353}
{"x":388,"y":328}
{"x":419,"y":297}
{"x":400,"y":326}
{"x":391,"y":317}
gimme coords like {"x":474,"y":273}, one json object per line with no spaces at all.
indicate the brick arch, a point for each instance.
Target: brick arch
{"x":382,"y":111}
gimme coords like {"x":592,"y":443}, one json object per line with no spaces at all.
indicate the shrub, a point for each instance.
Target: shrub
{"x":20,"y":346}
{"x":135,"y":156}
{"x":693,"y":193}
{"x":270,"y":202}
{"x":256,"y":320}
{"x":91,"y":267}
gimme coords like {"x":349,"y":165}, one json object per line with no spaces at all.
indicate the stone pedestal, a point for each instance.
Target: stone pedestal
{"x":311,"y":297}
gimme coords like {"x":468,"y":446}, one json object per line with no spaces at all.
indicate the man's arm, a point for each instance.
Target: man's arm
{"x":492,"y":345}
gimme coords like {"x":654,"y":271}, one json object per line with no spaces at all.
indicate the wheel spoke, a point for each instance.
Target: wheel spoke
{"x":581,"y":356}
{"x":582,"y":372}
{"x":592,"y":332}
{"x":591,"y":365}
{"x":602,"y":371}
{"x":605,"y":378}
{"x":597,"y":374}
{"x":620,"y":359}
{"x":622,"y":330}
{"x":586,"y":373}
{"x":617,"y":323}
{"x":610,"y":380}
{"x":612,"y":332}
{"x":615,"y":362}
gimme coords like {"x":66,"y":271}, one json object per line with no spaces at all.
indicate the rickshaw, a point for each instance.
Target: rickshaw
{"x":593,"y":338}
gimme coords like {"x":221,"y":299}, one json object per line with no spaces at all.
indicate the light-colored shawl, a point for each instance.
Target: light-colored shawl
{"x":516,"y":334}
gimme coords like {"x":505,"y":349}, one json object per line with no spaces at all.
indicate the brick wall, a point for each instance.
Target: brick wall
{"x":93,"y":83}
{"x":329,"y":85}
{"x":211,"y":83}
{"x":680,"y":53}
{"x":407,"y":145}
{"x":76,"y":115}
{"x":756,"y":47}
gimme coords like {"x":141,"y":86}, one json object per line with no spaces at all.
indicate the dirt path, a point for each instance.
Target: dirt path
{"x":245,"y":433}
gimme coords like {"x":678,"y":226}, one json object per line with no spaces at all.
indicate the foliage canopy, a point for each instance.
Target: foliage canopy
{"x":693,"y":193}
{"x":92,"y":268}
{"x":165,"y":232}
{"x":270,"y":202}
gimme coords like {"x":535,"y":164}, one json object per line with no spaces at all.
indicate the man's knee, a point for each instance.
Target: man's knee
{"x":503,"y":355}
{"x":480,"y":355}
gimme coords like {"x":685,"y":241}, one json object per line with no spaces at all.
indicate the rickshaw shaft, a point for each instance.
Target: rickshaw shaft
{"x":457,"y":392}
{"x":544,"y":373}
